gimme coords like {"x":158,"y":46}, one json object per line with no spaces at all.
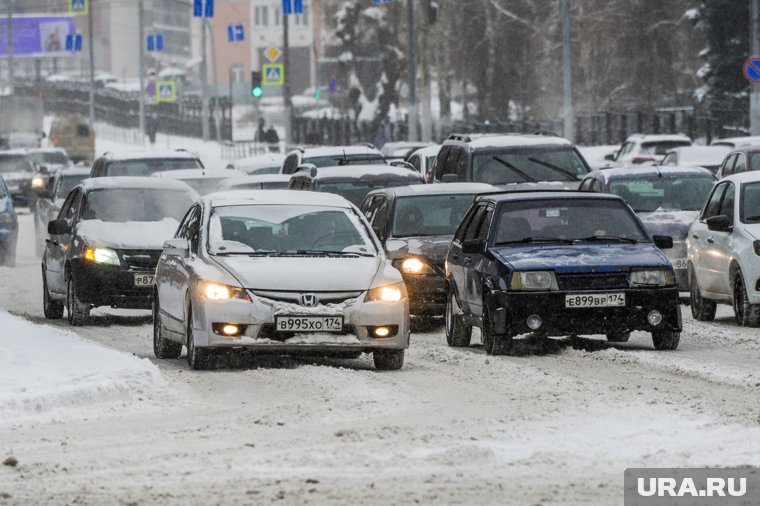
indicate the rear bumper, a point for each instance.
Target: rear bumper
{"x":427,"y":295}
{"x":106,"y":285}
{"x":559,"y":320}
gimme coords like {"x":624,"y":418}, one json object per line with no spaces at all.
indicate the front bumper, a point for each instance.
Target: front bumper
{"x":559,"y":320}
{"x":109,"y":285}
{"x":258,"y":318}
{"x":8,"y":237}
{"x":427,"y":294}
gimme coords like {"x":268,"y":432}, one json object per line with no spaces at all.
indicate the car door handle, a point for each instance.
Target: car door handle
{"x":454,"y":256}
{"x":695,"y":236}
{"x":710,"y":240}
{"x":467,"y":260}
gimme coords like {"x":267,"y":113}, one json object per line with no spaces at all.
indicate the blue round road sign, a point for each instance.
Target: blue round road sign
{"x":752,"y":69}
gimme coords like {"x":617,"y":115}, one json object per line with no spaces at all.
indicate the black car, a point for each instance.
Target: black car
{"x":104,"y":247}
{"x":353,"y":182}
{"x":425,"y":217}
{"x":558,"y":263}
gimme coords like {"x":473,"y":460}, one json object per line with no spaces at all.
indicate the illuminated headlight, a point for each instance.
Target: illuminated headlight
{"x":6,"y":218}
{"x":38,"y":182}
{"x":651,"y":277}
{"x":534,"y":281}
{"x":101,"y":256}
{"x":414,"y":265}
{"x":390,"y":293}
{"x":219,"y":291}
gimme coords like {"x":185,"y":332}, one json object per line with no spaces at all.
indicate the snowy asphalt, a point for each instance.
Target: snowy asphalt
{"x":556,"y":425}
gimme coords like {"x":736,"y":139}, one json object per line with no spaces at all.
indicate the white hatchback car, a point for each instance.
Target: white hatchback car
{"x":723,"y":250}
{"x":280,"y":272}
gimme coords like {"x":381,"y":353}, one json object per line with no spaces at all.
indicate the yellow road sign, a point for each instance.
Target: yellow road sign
{"x":273,"y":74}
{"x":272,"y":54}
{"x":166,"y":91}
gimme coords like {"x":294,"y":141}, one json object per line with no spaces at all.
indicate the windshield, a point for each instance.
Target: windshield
{"x":356,"y":191}
{"x":340,"y":159}
{"x":683,"y":193}
{"x":15,"y":163}
{"x":287,"y":230}
{"x":750,"y":205}
{"x":567,"y":220}
{"x":661,"y":147}
{"x":148,"y":167}
{"x":49,"y":157}
{"x":527,"y":165}
{"x":67,"y":183}
{"x":429,"y":215}
{"x":262,"y":170}
{"x":135,"y":204}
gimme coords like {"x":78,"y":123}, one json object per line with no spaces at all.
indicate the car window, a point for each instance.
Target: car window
{"x":429,"y":215}
{"x":453,"y":161}
{"x":728,"y":165}
{"x":528,"y":164}
{"x":459,"y":235}
{"x":121,"y":205}
{"x":485,"y":225}
{"x":670,"y":159}
{"x":71,"y":213}
{"x":727,"y":205}
{"x":463,"y":165}
{"x":473,"y":228}
{"x":739,"y":166}
{"x":649,"y":194}
{"x":661,"y":147}
{"x":713,"y":203}
{"x":380,"y":218}
{"x":185,"y":223}
{"x":66,"y":207}
{"x":750,"y":203}
{"x":440,"y":162}
{"x":625,"y":149}
{"x":367,"y":206}
{"x":754,"y":161}
{"x":142,"y":168}
{"x":416,"y":163}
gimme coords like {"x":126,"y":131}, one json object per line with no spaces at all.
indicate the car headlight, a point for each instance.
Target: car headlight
{"x":533,"y":281}
{"x":101,"y":256}
{"x":651,"y":277}
{"x":219,"y":291}
{"x":388,"y":293}
{"x":6,"y":218}
{"x":414,"y":265}
{"x":38,"y":182}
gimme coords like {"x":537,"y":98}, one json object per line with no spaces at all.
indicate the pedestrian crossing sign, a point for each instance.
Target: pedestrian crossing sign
{"x":79,"y":7}
{"x":166,"y":91}
{"x":274,"y":74}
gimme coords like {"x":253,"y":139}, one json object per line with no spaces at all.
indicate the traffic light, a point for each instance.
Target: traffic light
{"x":256,"y":89}
{"x":317,"y":93}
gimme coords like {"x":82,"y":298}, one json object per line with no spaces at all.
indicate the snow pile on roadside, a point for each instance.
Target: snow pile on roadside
{"x":43,"y":368}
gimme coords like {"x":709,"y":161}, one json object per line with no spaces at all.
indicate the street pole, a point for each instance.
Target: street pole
{"x":91,"y":48}
{"x":204,"y":83}
{"x":11,"y":76}
{"x":217,"y":109}
{"x":412,"y":73}
{"x":286,"y":87}
{"x":141,"y":70}
{"x":754,"y":93}
{"x":568,"y":72}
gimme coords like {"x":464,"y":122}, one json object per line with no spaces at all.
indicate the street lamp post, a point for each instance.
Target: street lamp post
{"x":412,"y":72}
{"x":11,"y":76}
{"x":567,"y":64}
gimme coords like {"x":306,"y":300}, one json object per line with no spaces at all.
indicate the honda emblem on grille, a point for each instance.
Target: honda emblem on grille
{"x":309,"y":300}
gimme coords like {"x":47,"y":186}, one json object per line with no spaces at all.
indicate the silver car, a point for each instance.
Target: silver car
{"x":280,"y":272}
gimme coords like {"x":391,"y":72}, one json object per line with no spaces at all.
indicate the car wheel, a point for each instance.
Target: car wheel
{"x":494,"y":344}
{"x":77,"y":310}
{"x":162,"y":348}
{"x":458,"y":335}
{"x":665,"y":340}
{"x":747,"y":315}
{"x":388,"y":360}
{"x":53,"y":309}
{"x":618,"y":337}
{"x":196,"y":359}
{"x":702,"y":309}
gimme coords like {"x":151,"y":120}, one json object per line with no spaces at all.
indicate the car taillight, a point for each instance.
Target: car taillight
{"x":642,"y":159}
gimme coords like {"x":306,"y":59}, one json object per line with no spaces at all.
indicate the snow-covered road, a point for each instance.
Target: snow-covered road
{"x":555,"y":425}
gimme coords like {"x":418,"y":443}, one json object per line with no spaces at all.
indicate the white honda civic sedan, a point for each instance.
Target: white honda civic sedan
{"x":280,"y":272}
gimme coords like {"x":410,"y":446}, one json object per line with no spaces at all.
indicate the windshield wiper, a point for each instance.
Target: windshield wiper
{"x":568,"y":174}
{"x":536,"y":239}
{"x":752,"y":218}
{"x":611,"y":238}
{"x":329,"y":253}
{"x":514,"y":169}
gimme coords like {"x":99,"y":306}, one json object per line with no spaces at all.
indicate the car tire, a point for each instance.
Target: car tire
{"x":665,"y":340}
{"x":52,"y":309}
{"x":198,"y":360}
{"x":458,"y":335}
{"x":78,"y":311}
{"x":162,"y":348}
{"x":702,"y":309}
{"x":618,"y":337}
{"x":388,"y":360}
{"x":494,"y":344}
{"x":747,"y":315}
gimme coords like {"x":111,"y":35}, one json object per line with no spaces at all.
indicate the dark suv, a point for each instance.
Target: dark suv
{"x":143,"y":163}
{"x":510,"y":159}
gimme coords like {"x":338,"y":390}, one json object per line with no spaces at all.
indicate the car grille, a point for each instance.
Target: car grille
{"x":295,"y":297}
{"x":140,"y":261}
{"x":592,"y":281}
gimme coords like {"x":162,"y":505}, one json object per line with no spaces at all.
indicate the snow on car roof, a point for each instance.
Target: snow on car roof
{"x":278,"y":197}
{"x":260,"y":178}
{"x":744,"y":177}
{"x":151,"y":155}
{"x":264,"y":160}
{"x":657,"y":138}
{"x":198,"y":174}
{"x":546,"y":195}
{"x":428,"y":151}
{"x":353,"y":172}
{"x":339,"y":150}
{"x":736,"y":141}
{"x":436,"y":189}
{"x":101,"y":183}
{"x":516,"y":140}
{"x":650,"y":171}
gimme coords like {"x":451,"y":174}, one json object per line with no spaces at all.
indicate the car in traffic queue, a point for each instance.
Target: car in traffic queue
{"x":425,"y":217}
{"x":46,"y":162}
{"x":8,"y":226}
{"x":259,"y":165}
{"x":708,"y":157}
{"x":103,"y":248}
{"x":18,"y":171}
{"x":742,"y":159}
{"x":667,"y":200}
{"x":258,"y":182}
{"x":536,"y":160}
{"x":328,"y":156}
{"x":75,"y":134}
{"x":51,"y":198}
{"x":354,"y":182}
{"x":646,"y":149}
{"x":423,"y":160}
{"x":279,"y":272}
{"x":723,"y":248}
{"x":558,"y":263}
{"x":143,"y":163}
{"x":203,"y":181}
{"x":401,"y":150}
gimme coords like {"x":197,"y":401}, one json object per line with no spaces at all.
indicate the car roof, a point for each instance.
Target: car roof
{"x":74,"y":171}
{"x":752,"y":176}
{"x":198,"y":174}
{"x":544,"y":195}
{"x":649,"y":171}
{"x":276,"y":197}
{"x":263,"y":160}
{"x":736,"y":141}
{"x":435,"y":189}
{"x":125,"y":182}
{"x":486,"y":141}
{"x":657,"y":137}
{"x":746,"y":148}
{"x":355,"y":172}
{"x":428,"y":151}
{"x":150,"y":155}
{"x":697,"y":150}
{"x":337,"y":151}
{"x":259,"y":178}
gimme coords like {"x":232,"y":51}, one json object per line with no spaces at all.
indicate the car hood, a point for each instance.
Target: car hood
{"x":16,"y":177}
{"x":299,"y":274}
{"x":673,"y":223}
{"x":127,"y":235}
{"x":433,"y":248}
{"x":597,"y":257}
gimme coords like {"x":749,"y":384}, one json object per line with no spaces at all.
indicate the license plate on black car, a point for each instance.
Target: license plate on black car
{"x":309,"y":323}
{"x":143,"y":279}
{"x":595,"y":300}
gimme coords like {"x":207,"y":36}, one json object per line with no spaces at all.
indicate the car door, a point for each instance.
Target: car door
{"x":178,"y":276}
{"x":455,"y":257}
{"x":721,"y":245}
{"x":727,"y":167}
{"x":707,"y":269}
{"x":380,"y":216}
{"x":468,"y":290}
{"x":479,"y":267}
{"x":61,"y":247}
{"x":440,"y":164}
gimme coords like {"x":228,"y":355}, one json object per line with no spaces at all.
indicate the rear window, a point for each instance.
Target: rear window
{"x":661,"y":148}
{"x":685,"y":193}
{"x":526,"y":165}
{"x":15,"y":163}
{"x":148,"y":167}
{"x":50,"y":157}
{"x":356,"y":191}
{"x":83,"y":130}
{"x":122,"y":205}
{"x":338,"y":159}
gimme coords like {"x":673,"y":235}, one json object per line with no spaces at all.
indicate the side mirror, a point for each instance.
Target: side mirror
{"x":58,"y":227}
{"x":449,"y":178}
{"x":719,"y":223}
{"x":177,"y":247}
{"x":610,"y":157}
{"x":663,"y":241}
{"x":472,"y":246}
{"x":396,"y":250}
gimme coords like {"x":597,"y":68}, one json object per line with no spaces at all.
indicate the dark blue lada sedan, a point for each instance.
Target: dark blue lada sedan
{"x":558,"y":263}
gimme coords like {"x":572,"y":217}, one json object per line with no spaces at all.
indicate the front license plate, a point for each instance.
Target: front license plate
{"x":143,"y":279}
{"x":309,"y":323}
{"x":595,"y":300}
{"x":680,"y":264}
